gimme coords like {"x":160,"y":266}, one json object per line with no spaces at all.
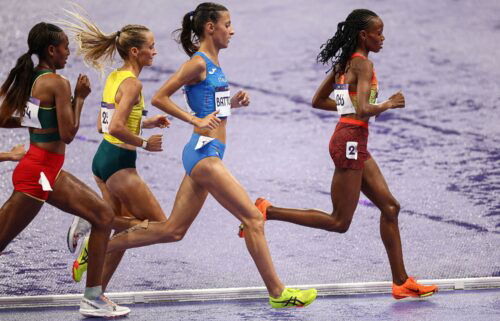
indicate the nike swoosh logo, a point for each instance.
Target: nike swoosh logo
{"x":212,"y":71}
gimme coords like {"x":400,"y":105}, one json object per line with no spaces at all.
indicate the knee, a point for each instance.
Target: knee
{"x":255,"y":223}
{"x":104,"y":217}
{"x":391,"y":211}
{"x":171,"y":234}
{"x":338,"y":226}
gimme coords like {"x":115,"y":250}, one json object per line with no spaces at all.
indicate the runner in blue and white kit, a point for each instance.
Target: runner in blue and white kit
{"x":208,"y":96}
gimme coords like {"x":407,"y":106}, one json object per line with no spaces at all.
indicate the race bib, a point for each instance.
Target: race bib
{"x":223,"y":101}
{"x":202,"y":141}
{"x":351,"y":150}
{"x":344,"y":103}
{"x":107,"y":111}
{"x":30,"y":118}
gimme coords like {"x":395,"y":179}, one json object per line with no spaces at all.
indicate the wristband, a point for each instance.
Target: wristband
{"x":144,"y":143}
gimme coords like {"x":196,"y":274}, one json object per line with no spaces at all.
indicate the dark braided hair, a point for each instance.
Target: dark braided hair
{"x":190,"y":34}
{"x":339,"y":49}
{"x":16,"y":88}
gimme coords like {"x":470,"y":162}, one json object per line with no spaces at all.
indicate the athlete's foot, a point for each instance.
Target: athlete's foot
{"x":293,"y":298}
{"x":262,"y":204}
{"x":80,"y":264}
{"x":102,"y":307}
{"x":412,"y":289}
{"x":78,"y":229}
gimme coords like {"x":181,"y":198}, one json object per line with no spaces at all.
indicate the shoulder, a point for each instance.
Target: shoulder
{"x":54,"y":82}
{"x":132,"y":84}
{"x":196,"y":64}
{"x":361,"y":65}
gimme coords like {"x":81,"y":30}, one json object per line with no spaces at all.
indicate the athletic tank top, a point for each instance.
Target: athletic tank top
{"x":108,"y":105}
{"x":210,"y":94}
{"x":40,"y":117}
{"x":348,"y":104}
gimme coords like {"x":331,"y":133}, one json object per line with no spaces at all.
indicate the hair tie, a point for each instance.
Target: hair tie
{"x":118,"y":33}
{"x":191,"y":13}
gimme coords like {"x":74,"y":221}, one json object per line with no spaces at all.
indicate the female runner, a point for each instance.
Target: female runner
{"x":355,"y":87}
{"x":208,"y":96}
{"x":120,"y":121}
{"x":38,"y":98}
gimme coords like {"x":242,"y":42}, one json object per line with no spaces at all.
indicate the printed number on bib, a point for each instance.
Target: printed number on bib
{"x":223,"y":101}
{"x":351,"y":150}
{"x":344,"y":103}
{"x":107,"y":111}
{"x":30,"y":118}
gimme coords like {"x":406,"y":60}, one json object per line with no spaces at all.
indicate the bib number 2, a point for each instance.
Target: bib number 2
{"x":351,"y":150}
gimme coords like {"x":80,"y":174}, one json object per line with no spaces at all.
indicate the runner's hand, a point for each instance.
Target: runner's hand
{"x":160,"y":121}
{"x":17,"y":152}
{"x":82,"y":88}
{"x":208,"y":122}
{"x":241,"y":99}
{"x":397,"y":100}
{"x":154,"y":143}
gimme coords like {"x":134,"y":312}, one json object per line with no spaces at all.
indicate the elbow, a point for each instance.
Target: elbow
{"x":114,"y":129}
{"x":315,"y":103}
{"x":155,"y":101}
{"x":68,"y":135}
{"x":67,"y":138}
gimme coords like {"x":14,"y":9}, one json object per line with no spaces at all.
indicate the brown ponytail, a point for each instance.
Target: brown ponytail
{"x":193,"y":22}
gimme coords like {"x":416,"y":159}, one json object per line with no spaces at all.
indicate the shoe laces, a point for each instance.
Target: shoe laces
{"x":107,"y":300}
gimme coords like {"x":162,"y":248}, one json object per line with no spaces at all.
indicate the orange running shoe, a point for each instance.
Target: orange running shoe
{"x":412,"y":289}
{"x":262,"y":204}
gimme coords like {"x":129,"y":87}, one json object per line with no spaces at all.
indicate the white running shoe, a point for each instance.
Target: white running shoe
{"x":78,"y":229}
{"x":102,"y":307}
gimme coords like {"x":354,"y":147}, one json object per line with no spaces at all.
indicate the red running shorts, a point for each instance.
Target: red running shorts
{"x":349,"y":144}
{"x":37,"y":172}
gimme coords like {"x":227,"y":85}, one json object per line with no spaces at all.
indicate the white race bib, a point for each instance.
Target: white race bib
{"x":202,"y":141}
{"x":223,"y":102}
{"x":30,"y":118}
{"x":344,"y":103}
{"x":351,"y":150}
{"x":107,"y":112}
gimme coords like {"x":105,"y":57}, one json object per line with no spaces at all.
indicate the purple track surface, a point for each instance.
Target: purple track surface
{"x":440,"y":155}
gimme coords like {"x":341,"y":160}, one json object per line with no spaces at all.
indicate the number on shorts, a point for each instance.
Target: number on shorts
{"x":351,"y":150}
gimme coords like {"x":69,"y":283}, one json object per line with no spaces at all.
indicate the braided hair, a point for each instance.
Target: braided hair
{"x":339,"y":49}
{"x":190,"y":34}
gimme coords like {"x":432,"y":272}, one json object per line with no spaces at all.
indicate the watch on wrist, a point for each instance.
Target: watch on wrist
{"x":144,"y":143}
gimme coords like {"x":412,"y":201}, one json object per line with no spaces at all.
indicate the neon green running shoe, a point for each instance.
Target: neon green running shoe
{"x":293,"y":298}
{"x":80,"y":264}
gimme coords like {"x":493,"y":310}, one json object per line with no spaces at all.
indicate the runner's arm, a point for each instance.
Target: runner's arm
{"x":191,"y":71}
{"x":321,"y":99}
